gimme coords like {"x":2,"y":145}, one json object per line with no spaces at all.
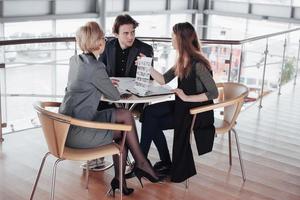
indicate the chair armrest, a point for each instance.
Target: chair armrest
{"x":40,"y":107}
{"x":100,"y":125}
{"x":201,"y":109}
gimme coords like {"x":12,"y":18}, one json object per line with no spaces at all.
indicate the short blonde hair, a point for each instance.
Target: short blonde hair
{"x":89,"y":37}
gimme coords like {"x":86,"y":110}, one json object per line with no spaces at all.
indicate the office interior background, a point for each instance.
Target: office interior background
{"x":254,"y":42}
{"x":39,"y":70}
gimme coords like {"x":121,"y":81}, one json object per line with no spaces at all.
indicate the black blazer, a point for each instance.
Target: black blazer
{"x":109,"y":56}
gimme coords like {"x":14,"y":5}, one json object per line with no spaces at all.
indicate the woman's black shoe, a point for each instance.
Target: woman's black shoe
{"x":129,"y":175}
{"x":162,"y":167}
{"x":115,"y":184}
{"x":139,"y":173}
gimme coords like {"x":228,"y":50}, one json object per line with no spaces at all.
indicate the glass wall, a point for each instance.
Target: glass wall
{"x":109,"y":24}
{"x":67,"y":28}
{"x":273,"y":2}
{"x":226,"y":28}
{"x":36,"y":72}
{"x":262,"y":27}
{"x":23,"y":30}
{"x":278,"y":70}
{"x":152,"y":25}
{"x":39,"y":71}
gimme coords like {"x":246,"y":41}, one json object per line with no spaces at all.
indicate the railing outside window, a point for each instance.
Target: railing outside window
{"x":36,"y":69}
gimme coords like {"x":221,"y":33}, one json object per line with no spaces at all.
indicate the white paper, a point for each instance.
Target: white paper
{"x":142,"y":79}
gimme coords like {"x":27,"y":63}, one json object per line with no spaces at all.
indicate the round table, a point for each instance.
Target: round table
{"x":126,"y":83}
{"x":129,"y":103}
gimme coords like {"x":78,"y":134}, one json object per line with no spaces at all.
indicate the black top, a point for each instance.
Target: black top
{"x":204,"y":80}
{"x":183,"y":165}
{"x":121,"y":60}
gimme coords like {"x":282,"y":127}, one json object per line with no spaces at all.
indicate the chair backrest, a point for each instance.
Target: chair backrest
{"x":235,"y":93}
{"x":55,"y":127}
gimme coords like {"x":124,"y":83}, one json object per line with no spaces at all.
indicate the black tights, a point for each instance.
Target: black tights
{"x":132,"y":143}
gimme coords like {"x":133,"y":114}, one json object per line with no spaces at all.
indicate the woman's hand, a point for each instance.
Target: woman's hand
{"x":115,"y":82}
{"x":190,"y":98}
{"x":158,"y":77}
{"x":138,"y":58}
{"x":180,"y":94}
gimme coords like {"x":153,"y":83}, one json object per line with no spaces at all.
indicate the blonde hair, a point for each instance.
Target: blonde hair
{"x":89,"y":37}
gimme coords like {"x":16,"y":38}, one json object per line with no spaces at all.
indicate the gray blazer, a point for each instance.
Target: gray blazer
{"x":109,"y":56}
{"x":87,"y":82}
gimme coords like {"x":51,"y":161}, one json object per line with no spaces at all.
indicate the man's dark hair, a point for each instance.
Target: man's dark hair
{"x":121,"y":20}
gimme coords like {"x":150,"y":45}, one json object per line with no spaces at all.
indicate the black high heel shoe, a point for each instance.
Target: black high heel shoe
{"x":115,"y":184}
{"x":139,"y":173}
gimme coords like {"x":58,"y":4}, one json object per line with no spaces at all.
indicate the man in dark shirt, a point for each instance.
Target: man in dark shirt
{"x":121,"y":60}
{"x":119,"y":57}
{"x":121,"y":52}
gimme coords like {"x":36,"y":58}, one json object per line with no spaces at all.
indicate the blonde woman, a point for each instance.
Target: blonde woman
{"x":87,"y":82}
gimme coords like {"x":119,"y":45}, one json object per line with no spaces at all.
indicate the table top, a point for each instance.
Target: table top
{"x":125,"y":83}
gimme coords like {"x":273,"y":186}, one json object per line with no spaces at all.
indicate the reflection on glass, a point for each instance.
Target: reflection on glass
{"x":272,"y":2}
{"x":41,"y":69}
{"x":68,"y":27}
{"x":23,"y":30}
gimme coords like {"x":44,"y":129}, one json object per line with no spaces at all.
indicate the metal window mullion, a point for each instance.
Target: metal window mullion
{"x":283,"y":65}
{"x":230,"y":65}
{"x":1,"y":138}
{"x":297,"y":64}
{"x":1,"y":34}
{"x":264,"y":73}
{"x":241,"y":63}
{"x":53,"y":58}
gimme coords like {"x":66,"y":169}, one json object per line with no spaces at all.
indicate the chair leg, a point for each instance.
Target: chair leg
{"x":186,"y":183}
{"x":87,"y":175}
{"x":39,"y":174}
{"x":229,"y":146}
{"x":240,"y":155}
{"x":121,"y":175}
{"x":53,"y":178}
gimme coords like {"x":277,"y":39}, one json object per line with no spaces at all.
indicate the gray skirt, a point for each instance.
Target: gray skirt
{"x":80,"y":137}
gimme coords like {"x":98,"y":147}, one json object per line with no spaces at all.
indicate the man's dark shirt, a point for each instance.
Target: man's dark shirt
{"x":121,"y":60}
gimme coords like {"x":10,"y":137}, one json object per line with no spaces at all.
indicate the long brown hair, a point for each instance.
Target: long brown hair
{"x":188,"y":46}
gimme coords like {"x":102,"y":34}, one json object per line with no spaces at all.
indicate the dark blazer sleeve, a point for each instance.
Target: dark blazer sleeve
{"x":147,"y":50}
{"x":103,"y":58}
{"x":137,"y":48}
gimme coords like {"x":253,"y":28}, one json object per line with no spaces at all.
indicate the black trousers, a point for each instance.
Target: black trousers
{"x":156,"y":118}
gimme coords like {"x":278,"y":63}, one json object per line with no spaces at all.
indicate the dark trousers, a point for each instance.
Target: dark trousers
{"x":156,"y":118}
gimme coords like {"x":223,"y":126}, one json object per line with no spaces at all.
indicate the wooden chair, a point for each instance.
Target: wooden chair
{"x":231,"y":99}
{"x":55,"y":127}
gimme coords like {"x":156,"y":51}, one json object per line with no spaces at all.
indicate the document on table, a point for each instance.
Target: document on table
{"x":127,"y":85}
